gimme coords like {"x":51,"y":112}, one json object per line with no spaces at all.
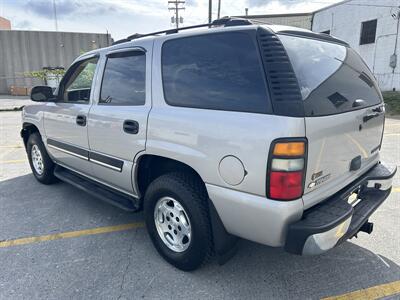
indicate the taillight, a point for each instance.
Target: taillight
{"x":286,"y":169}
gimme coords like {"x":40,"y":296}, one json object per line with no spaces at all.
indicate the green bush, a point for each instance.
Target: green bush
{"x":392,"y":101}
{"x":44,"y":73}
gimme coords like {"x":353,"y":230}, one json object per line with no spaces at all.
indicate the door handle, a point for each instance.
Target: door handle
{"x":371,"y":116}
{"x":81,"y":120}
{"x":131,"y":126}
{"x":379,"y":109}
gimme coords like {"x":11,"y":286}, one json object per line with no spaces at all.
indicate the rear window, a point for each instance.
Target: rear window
{"x":214,"y":71}
{"x":331,"y":76}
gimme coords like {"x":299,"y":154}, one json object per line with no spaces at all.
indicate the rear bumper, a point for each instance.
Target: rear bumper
{"x":253,"y":217}
{"x":333,"y":221}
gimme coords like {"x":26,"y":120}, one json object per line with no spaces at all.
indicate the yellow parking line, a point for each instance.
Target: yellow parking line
{"x":390,"y":134}
{"x":360,"y":147}
{"x":372,"y":293}
{"x":320,"y":155}
{"x":15,"y":161}
{"x":396,"y":190}
{"x":12,"y":146}
{"x":69,"y":234}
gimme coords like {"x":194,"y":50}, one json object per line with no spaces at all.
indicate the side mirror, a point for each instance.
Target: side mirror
{"x":42,"y":94}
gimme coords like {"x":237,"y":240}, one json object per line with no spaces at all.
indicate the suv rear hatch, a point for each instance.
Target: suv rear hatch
{"x":344,"y":114}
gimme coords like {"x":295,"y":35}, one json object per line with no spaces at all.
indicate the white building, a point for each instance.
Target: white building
{"x":371,"y":27}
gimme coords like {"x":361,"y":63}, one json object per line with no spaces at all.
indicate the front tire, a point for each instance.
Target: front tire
{"x":177,"y":219}
{"x":41,"y":164}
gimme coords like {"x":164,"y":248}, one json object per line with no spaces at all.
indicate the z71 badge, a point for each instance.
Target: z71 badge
{"x":318,"y":181}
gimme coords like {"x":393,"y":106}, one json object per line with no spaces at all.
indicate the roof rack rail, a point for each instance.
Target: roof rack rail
{"x":225,"y":21}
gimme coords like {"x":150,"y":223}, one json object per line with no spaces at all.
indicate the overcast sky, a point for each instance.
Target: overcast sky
{"x":124,"y":17}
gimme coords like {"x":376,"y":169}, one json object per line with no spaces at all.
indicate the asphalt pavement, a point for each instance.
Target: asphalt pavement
{"x":66,"y":244}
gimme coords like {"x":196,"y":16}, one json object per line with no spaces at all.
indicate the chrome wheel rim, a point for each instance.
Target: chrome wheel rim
{"x":37,"y":159}
{"x":173,"y":224}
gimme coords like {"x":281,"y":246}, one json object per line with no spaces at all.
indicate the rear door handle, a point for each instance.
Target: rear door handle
{"x":131,"y":126}
{"x":379,"y":109}
{"x":371,"y":116}
{"x":81,"y":120}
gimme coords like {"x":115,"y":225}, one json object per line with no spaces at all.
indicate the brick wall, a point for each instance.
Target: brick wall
{"x":5,"y":24}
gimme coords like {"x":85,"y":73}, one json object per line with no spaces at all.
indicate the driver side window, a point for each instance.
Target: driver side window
{"x":78,"y":86}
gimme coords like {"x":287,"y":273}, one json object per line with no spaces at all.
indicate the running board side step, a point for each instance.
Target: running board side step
{"x":102,"y":192}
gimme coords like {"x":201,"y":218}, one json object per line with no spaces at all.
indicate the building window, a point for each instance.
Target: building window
{"x":368,"y":32}
{"x":326,"y":32}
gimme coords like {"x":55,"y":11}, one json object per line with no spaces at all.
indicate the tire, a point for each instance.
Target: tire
{"x":45,"y":174}
{"x":189,"y":194}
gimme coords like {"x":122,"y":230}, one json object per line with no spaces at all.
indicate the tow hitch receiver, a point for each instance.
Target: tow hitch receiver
{"x":367,"y":227}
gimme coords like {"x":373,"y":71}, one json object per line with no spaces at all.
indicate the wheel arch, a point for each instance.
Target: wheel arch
{"x":27,"y":129}
{"x":151,"y":166}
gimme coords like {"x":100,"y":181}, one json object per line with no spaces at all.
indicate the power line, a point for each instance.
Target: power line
{"x":177,"y":6}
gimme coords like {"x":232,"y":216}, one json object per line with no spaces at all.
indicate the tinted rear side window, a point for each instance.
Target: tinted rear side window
{"x":214,"y":71}
{"x":331,"y":76}
{"x":124,"y":79}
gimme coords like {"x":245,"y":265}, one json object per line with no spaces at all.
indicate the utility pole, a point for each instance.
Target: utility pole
{"x":55,"y":14}
{"x":219,"y":9}
{"x":209,"y":11}
{"x":177,"y":6}
{"x":397,"y":16}
{"x":393,"y":57}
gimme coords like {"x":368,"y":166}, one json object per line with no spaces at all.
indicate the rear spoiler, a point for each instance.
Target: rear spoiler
{"x":313,"y":35}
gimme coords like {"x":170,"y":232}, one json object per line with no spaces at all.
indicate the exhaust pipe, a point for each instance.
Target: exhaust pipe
{"x":367,"y":227}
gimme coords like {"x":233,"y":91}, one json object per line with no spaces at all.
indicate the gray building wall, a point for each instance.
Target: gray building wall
{"x":26,"y":51}
{"x":296,"y":20}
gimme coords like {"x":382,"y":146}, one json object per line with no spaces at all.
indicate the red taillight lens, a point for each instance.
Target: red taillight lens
{"x":286,"y":169}
{"x":286,"y":185}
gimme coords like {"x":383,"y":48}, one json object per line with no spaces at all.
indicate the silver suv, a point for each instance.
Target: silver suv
{"x":262,"y":132}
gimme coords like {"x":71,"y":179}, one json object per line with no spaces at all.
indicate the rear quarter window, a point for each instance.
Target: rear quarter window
{"x":331,"y":76}
{"x":220,"y":71}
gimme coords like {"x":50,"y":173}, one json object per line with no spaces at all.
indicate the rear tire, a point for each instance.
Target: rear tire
{"x":185,"y":239}
{"x":41,"y":164}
